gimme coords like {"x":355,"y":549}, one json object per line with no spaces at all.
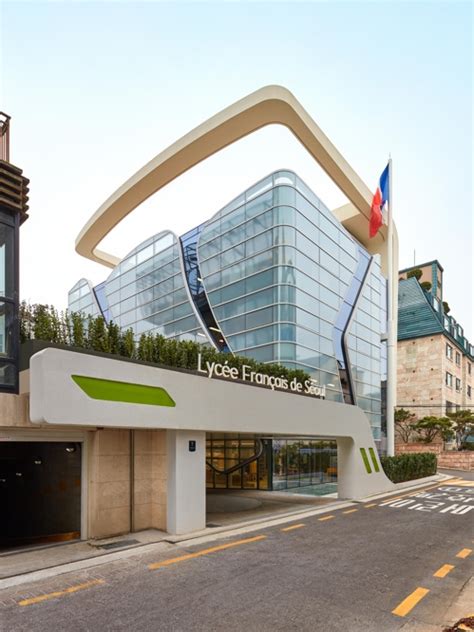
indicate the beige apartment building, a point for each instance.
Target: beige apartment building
{"x":435,"y":360}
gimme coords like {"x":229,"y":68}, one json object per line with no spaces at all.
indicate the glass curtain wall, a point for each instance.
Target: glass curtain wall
{"x":283,"y":464}
{"x":303,"y":462}
{"x":9,"y":346}
{"x":227,"y":451}
{"x":277,"y":267}
{"x":147,"y":291}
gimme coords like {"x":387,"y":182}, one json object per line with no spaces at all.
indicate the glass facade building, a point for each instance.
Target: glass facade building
{"x":273,"y":276}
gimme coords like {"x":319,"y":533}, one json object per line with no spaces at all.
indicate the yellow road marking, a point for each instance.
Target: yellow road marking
{"x":443,"y":571}
{"x":350,"y":511}
{"x":463,"y":553}
{"x":371,"y":505}
{"x":60,"y":593}
{"x":410,"y":602}
{"x":325,"y":518}
{"x":295,"y":526}
{"x":190,"y":556}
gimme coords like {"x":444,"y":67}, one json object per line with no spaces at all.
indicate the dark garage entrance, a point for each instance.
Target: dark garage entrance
{"x":40,"y":492}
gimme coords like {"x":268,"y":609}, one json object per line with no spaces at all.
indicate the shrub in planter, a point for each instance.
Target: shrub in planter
{"x":406,"y":467}
{"x":417,"y":273}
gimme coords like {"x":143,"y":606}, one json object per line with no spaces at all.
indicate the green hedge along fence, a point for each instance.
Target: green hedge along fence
{"x":406,"y":467}
{"x":73,"y":329}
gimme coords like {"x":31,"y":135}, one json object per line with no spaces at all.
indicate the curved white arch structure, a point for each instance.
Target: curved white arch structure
{"x":266,"y":106}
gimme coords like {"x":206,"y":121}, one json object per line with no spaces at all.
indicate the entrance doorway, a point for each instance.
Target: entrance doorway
{"x":40,"y":492}
{"x":283,"y":463}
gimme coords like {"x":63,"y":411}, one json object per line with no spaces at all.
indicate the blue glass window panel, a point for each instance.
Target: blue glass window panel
{"x":288,"y":294}
{"x":310,"y":321}
{"x":228,"y":257}
{"x":233,"y":325}
{"x":287,"y":313}
{"x":238,"y":341}
{"x":329,"y":280}
{"x":287,"y":332}
{"x":261,"y":336}
{"x":267,"y":353}
{"x":261,"y":299}
{"x":287,"y":351}
{"x":327,"y":313}
{"x":228,"y":275}
{"x":260,"y":317}
{"x":284,"y":215}
{"x":284,"y":195}
{"x":259,"y":204}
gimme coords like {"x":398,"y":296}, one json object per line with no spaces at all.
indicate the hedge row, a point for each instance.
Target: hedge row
{"x":406,"y":467}
{"x":44,"y":322}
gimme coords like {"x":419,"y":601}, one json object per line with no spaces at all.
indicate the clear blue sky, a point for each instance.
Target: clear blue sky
{"x":96,"y":89}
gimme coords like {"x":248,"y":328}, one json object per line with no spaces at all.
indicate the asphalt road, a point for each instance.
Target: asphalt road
{"x":346,"y":570}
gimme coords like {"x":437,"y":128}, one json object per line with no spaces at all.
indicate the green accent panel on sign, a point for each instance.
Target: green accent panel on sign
{"x":365,"y":458}
{"x":374,"y":459}
{"x":114,"y":391}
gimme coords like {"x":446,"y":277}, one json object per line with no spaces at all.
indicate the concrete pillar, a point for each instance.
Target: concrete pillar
{"x":186,"y":510}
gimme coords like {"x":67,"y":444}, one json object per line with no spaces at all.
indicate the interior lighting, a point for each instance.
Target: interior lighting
{"x":71,"y":448}
{"x":215,"y":329}
{"x":38,"y":462}
{"x":201,"y":334}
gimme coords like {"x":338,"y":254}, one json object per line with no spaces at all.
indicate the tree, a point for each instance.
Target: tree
{"x":426,"y":285}
{"x":446,"y":307}
{"x":78,"y":330}
{"x":404,"y":421}
{"x":463,"y":425}
{"x":431,"y":427}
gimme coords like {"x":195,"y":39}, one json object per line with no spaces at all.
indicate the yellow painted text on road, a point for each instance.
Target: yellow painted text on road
{"x":410,"y":602}
{"x":214,"y":549}
{"x":60,"y":593}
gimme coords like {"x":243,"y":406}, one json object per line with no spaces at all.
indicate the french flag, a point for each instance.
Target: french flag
{"x":380,"y":199}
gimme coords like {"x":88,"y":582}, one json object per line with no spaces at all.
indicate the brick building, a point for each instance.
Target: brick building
{"x":435,"y":360}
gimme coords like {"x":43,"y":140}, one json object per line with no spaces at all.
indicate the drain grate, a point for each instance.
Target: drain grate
{"x":117,"y":545}
{"x":212,"y":525}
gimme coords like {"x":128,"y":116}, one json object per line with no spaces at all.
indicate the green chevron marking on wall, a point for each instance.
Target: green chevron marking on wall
{"x":365,"y":458}
{"x":115,"y":391}
{"x":374,"y":459}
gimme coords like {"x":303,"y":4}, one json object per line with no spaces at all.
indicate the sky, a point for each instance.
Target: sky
{"x":97,"y":89}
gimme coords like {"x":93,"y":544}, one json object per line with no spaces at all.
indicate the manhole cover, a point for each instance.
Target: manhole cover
{"x":118,"y":545}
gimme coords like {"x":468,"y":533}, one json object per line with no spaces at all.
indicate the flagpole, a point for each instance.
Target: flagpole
{"x":391,"y":316}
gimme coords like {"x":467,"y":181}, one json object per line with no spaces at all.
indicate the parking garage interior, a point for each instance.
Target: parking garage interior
{"x":40,"y":492}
